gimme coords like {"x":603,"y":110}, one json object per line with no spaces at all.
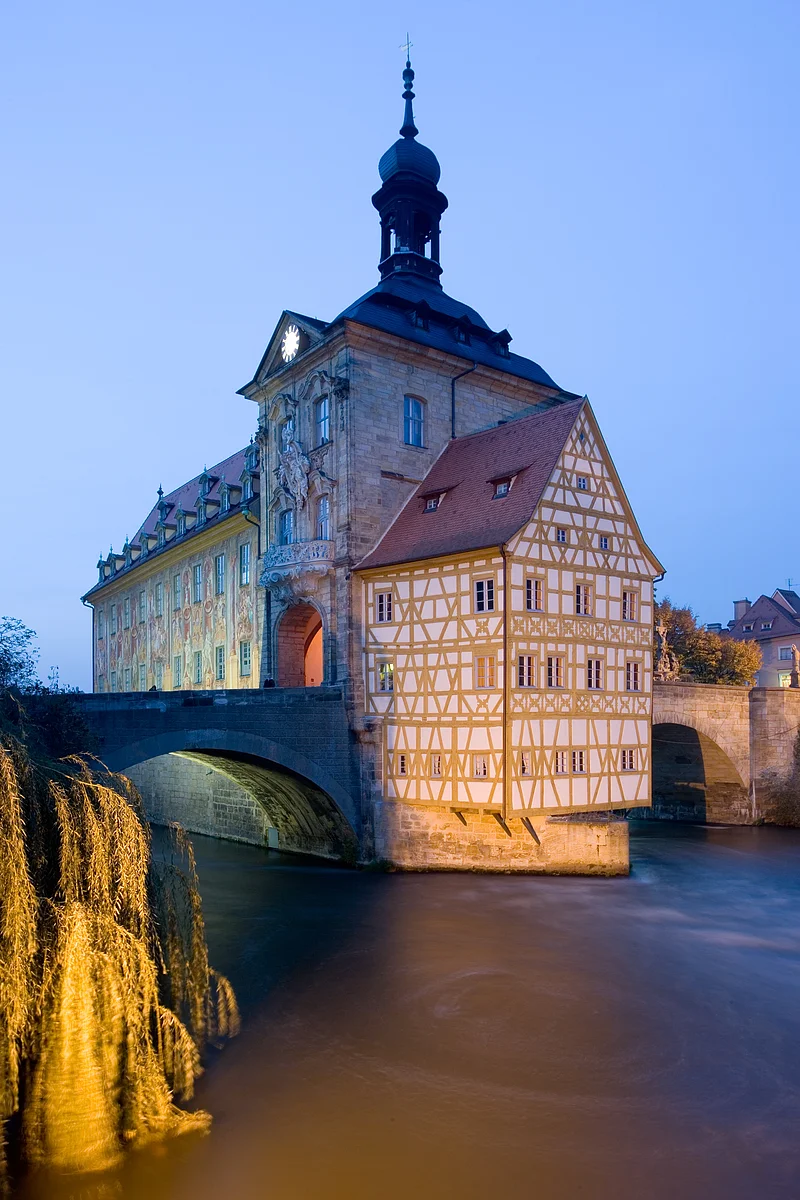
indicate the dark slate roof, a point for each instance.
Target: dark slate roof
{"x":391,"y":306}
{"x":407,"y":154}
{"x":790,"y":598}
{"x":468,"y":517}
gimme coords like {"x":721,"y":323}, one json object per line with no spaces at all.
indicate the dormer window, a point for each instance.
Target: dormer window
{"x":201,"y":512}
{"x":144,"y":543}
{"x":251,"y":457}
{"x":205,"y":483}
{"x":501,"y":488}
{"x":765,"y":625}
{"x":181,"y":524}
{"x":748,"y":628}
{"x":462,"y":334}
{"x":500,"y":344}
{"x":247,"y":490}
{"x":431,"y":503}
{"x":225,"y":498}
{"x":162,"y":536}
{"x":419,"y":319}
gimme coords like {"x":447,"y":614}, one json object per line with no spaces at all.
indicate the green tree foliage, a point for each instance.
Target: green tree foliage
{"x":706,"y":656}
{"x":18,"y":655}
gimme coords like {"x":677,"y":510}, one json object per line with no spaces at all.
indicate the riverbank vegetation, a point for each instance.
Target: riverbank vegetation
{"x":107,"y":999}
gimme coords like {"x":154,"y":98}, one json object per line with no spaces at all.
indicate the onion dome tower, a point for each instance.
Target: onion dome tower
{"x":409,"y":202}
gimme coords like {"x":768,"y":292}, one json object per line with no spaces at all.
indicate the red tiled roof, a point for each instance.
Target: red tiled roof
{"x":468,"y":517}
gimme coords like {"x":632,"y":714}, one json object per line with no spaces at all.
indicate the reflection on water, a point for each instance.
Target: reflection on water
{"x":437,"y":1036}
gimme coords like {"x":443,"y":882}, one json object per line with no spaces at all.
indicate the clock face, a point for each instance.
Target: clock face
{"x":290,"y":343}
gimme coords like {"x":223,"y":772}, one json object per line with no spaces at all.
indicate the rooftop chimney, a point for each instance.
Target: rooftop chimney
{"x":740,"y":607}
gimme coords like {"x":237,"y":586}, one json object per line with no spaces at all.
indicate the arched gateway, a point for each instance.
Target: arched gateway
{"x":300,"y":658}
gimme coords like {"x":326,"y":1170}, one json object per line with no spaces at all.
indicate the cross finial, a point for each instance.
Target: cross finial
{"x":407,"y":44}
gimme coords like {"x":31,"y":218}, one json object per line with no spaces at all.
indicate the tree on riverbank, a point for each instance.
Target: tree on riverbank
{"x":703,"y":655}
{"x":106,"y":995}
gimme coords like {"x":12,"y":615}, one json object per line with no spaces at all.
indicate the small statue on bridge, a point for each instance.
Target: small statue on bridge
{"x":795,"y":680}
{"x":667,"y":668}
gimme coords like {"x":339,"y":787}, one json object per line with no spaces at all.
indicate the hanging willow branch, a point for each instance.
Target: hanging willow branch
{"x":106,"y":995}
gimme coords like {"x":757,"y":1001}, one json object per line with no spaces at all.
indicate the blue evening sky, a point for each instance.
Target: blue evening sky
{"x":623,"y":185}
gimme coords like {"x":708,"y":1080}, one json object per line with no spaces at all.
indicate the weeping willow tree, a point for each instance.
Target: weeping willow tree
{"x":106,"y":995}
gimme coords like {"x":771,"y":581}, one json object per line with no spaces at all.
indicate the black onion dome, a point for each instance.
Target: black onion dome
{"x":407,"y":154}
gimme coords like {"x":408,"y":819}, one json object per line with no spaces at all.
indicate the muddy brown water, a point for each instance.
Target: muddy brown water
{"x":437,"y":1036}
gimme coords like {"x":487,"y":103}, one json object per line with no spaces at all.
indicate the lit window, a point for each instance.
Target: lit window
{"x":402,"y":764}
{"x":431,"y":503}
{"x":484,"y":595}
{"x":197,"y":583}
{"x":385,"y":677}
{"x":219,"y":662}
{"x":525,"y":671}
{"x":784,"y":679}
{"x":158,"y":599}
{"x":324,"y":518}
{"x":628,"y":760}
{"x":159,"y":675}
{"x":555,"y":671}
{"x":480,"y":766}
{"x":502,"y":488}
{"x":244,"y":564}
{"x":142,"y":607}
{"x":630,"y":606}
{"x":198,"y":666}
{"x":583,"y":599}
{"x":594,"y":674}
{"x":784,"y":654}
{"x":632,"y":677}
{"x":560,"y":762}
{"x":244,"y":658}
{"x":101,"y":626}
{"x":436,"y":766}
{"x":603,"y":542}
{"x":286,"y":527}
{"x":583,"y":483}
{"x":524,"y":763}
{"x":113,"y":618}
{"x":322,"y":420}
{"x":127,"y":679}
{"x":383,"y":607}
{"x":126,"y":614}
{"x":219,"y":574}
{"x":113,"y":681}
{"x":578,"y":762}
{"x":177,"y":670}
{"x":485,"y":671}
{"x":413,"y":421}
{"x":142,"y":677}
{"x":561,"y":535}
{"x":534,"y":595}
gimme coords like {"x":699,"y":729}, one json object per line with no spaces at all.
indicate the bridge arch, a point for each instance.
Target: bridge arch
{"x":694,"y":777}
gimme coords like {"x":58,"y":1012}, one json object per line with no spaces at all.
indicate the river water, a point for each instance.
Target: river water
{"x":471,"y":1036}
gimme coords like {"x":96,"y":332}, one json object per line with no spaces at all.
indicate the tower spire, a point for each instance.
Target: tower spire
{"x":409,"y":129}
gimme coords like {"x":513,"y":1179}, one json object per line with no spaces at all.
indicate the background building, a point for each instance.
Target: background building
{"x":774,"y":622}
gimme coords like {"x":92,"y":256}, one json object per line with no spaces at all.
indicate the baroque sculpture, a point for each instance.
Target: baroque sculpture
{"x":293,"y":466}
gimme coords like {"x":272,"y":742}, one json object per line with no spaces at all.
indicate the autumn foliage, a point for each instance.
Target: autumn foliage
{"x":704,"y":655}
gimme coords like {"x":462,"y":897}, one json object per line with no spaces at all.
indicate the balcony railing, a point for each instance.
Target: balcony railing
{"x":316,"y":556}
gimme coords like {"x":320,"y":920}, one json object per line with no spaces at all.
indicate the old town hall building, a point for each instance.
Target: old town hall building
{"x":427,"y":520}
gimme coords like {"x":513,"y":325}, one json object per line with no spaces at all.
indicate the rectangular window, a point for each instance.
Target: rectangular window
{"x":197,"y":583}
{"x":583,"y":483}
{"x":286,"y":527}
{"x":219,"y":574}
{"x":113,"y":618}
{"x":748,"y":628}
{"x":628,"y":760}
{"x":431,"y":503}
{"x":534,"y":595}
{"x":436,"y":766}
{"x":502,"y":488}
{"x":524,"y":763}
{"x":219,"y":662}
{"x":176,"y":592}
{"x":159,"y":675}
{"x":159,"y":600}
{"x":583,"y":599}
{"x":126,"y":613}
{"x":385,"y":677}
{"x":560,"y":762}
{"x":485,"y":671}
{"x":630,"y":608}
{"x":127,"y":679}
{"x":631,"y":677}
{"x":525,"y":671}
{"x":555,"y":671}
{"x":244,"y":658}
{"x":383,"y":607}
{"x":561,"y":535}
{"x":142,"y":607}
{"x":322,"y":420}
{"x":578,"y":762}
{"x":177,"y":670}
{"x":244,"y":564}
{"x":324,"y":518}
{"x":142,"y":677}
{"x":402,"y":764}
{"x":101,"y":626}
{"x":113,"y":681}
{"x":413,"y":421}
{"x":480,"y":766}
{"x":484,"y":595}
{"x":784,"y":679}
{"x":603,"y":542}
{"x":765,"y":625}
{"x":784,"y":654}
{"x":594,"y":674}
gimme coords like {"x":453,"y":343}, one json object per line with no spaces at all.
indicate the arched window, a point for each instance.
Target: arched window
{"x":413,"y":421}
{"x":324,"y":518}
{"x":286,"y":527}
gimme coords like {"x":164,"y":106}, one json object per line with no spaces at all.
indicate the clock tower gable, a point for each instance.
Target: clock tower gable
{"x":293,"y":336}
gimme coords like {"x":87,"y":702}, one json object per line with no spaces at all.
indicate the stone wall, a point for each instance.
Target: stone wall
{"x":419,"y":838}
{"x":775,"y":724}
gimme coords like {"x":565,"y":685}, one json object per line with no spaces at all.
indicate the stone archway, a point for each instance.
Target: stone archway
{"x":300,"y":657}
{"x":694,"y":779}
